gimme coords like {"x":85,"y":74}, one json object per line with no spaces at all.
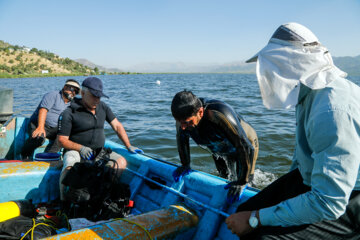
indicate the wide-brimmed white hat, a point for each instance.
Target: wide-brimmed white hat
{"x":290,"y":34}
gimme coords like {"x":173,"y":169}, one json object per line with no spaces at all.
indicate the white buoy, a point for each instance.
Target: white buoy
{"x":158,"y":82}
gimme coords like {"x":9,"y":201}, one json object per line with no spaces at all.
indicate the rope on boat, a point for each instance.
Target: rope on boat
{"x":181,"y":194}
{"x":157,"y":159}
{"x":145,"y":230}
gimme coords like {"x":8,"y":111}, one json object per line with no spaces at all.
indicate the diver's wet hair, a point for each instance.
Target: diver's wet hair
{"x":184,"y":105}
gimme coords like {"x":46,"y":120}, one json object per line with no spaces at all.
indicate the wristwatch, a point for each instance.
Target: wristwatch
{"x":253,"y":220}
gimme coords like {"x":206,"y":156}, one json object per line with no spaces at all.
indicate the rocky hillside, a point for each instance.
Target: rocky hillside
{"x":22,"y":61}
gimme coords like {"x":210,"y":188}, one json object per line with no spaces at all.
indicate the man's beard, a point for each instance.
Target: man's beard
{"x":68,"y":96}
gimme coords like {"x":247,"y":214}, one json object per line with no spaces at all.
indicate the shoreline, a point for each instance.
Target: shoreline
{"x":9,"y":76}
{"x":40,"y":75}
{"x":2,"y":76}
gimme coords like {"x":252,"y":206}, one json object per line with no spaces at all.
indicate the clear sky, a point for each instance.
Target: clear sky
{"x":119,"y":33}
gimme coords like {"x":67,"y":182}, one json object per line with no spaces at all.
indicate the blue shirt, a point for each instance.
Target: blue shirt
{"x":55,"y":105}
{"x":327,"y":153}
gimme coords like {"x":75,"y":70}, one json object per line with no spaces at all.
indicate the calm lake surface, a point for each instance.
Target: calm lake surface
{"x":143,"y":107}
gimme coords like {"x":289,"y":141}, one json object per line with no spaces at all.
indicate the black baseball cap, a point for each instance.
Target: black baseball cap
{"x":95,"y":86}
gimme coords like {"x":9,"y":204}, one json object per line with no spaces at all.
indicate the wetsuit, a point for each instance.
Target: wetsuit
{"x":83,"y":127}
{"x":232,"y":141}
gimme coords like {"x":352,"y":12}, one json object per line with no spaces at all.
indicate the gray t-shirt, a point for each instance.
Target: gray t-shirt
{"x":55,"y":105}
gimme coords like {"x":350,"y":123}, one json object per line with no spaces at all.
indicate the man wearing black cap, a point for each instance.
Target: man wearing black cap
{"x":81,"y":128}
{"x":43,"y":122}
{"x":319,"y":198}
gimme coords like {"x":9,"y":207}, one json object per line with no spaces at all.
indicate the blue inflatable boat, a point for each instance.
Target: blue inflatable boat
{"x":193,"y":208}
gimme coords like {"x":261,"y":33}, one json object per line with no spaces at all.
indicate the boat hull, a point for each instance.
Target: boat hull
{"x":202,"y":193}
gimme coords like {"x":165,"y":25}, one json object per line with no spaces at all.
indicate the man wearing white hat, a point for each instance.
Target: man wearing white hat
{"x":43,"y":122}
{"x":320,"y":197}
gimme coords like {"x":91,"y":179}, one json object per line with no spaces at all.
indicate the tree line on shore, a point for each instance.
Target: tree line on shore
{"x":20,"y":61}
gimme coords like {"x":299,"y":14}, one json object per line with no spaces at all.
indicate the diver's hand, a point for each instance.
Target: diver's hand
{"x":134,"y":149}
{"x":180,"y":172}
{"x":235,"y":191}
{"x":86,"y":153}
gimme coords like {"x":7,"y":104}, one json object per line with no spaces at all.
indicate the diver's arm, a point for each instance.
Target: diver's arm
{"x":120,"y":131}
{"x":66,"y":143}
{"x":183,"y":145}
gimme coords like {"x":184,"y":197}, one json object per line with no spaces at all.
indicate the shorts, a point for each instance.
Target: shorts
{"x":71,"y":157}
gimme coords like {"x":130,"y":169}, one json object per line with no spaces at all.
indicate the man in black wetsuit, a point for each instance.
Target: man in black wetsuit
{"x":81,"y":129}
{"x":215,"y":125}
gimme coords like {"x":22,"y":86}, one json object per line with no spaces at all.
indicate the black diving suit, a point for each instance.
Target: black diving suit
{"x":232,"y":142}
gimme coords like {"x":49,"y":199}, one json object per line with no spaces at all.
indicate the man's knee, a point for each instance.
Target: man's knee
{"x":70,"y":158}
{"x":121,"y":162}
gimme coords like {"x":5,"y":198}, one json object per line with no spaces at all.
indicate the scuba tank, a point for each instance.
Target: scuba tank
{"x":16,"y":208}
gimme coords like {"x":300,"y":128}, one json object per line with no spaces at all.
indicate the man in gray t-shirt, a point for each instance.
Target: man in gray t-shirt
{"x":43,"y":122}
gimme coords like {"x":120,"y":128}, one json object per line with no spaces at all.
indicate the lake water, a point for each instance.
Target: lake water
{"x":143,"y":107}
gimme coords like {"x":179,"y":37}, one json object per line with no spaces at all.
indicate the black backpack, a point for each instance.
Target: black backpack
{"x":15,"y":228}
{"x":94,"y":192}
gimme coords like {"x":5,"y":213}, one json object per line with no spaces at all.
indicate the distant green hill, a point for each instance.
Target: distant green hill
{"x":91,"y":65}
{"x":4,"y":44}
{"x":20,"y":61}
{"x":350,"y":65}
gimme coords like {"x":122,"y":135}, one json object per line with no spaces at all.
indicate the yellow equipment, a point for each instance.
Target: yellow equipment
{"x":16,"y":208}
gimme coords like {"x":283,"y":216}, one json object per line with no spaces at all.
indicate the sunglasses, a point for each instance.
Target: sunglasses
{"x":73,"y":89}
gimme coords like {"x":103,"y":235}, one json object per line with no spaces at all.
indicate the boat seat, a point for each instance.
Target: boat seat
{"x":38,"y":181}
{"x":42,"y":147}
